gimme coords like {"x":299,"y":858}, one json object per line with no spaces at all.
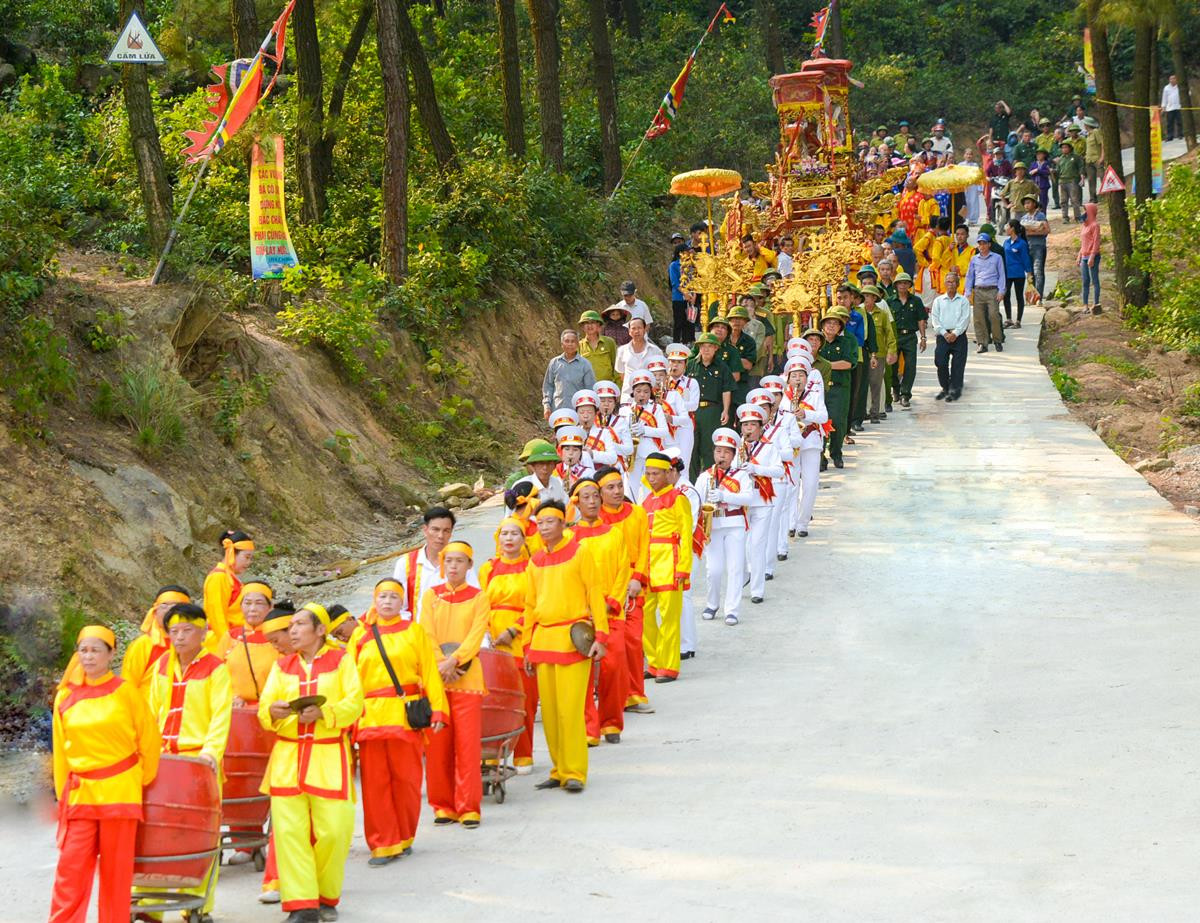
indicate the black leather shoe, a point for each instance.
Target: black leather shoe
{"x":940,"y":396}
{"x":791,"y":533}
{"x":999,"y":347}
{"x":824,"y":463}
{"x":443,"y":821}
{"x":612,"y":738}
{"x":883,"y":415}
{"x":781,"y":557}
{"x":770,"y":576}
{"x":688,"y":655}
{"x":756,"y":599}
{"x":549,"y":783}
{"x":838,"y":463}
{"x":951,"y":397}
{"x":981,"y":349}
{"x":665,"y":679}
{"x":803,"y":533}
{"x":574,"y":786}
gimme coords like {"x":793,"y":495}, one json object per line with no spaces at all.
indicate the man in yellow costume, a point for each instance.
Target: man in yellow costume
{"x":567,"y":588}
{"x":669,"y":568}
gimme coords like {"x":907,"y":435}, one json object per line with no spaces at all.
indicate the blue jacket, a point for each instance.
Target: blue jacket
{"x":1017,"y":263}
{"x":674,"y":275}
{"x":856,"y":326}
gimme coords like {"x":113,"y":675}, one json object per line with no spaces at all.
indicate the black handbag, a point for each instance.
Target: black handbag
{"x":418,"y":711}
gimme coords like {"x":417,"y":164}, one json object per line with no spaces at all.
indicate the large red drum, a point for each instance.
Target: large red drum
{"x":182,"y":817}
{"x":246,"y":755}
{"x":504,"y":704}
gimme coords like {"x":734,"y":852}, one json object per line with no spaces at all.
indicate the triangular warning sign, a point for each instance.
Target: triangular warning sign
{"x":1112,"y":181}
{"x":135,"y":46}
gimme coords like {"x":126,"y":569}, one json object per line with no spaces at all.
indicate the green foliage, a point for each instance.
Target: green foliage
{"x":1189,"y":404}
{"x":336,"y":312}
{"x":104,"y":401}
{"x":1067,"y":385}
{"x":106,"y":331}
{"x":1126,"y":367}
{"x":36,"y":372}
{"x":154,"y":401}
{"x":37,"y":637}
{"x":341,"y":444}
{"x":232,"y":397}
{"x":1164,"y":246}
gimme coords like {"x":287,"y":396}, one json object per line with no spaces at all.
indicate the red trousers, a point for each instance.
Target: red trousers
{"x":635,"y":657}
{"x":391,"y":791}
{"x":610,"y":684}
{"x":452,"y":777}
{"x":270,"y":880}
{"x":82,"y":843}
{"x":523,"y":751}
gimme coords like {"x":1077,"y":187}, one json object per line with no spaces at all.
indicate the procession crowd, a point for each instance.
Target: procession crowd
{"x":706,"y":451}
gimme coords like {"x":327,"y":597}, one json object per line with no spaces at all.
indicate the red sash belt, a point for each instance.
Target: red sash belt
{"x":389,"y":692}
{"x":505,"y":607}
{"x":91,"y":775}
{"x":664,"y":539}
{"x":578,"y":618}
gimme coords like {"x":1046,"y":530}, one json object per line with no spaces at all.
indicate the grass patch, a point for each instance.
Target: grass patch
{"x":1126,"y":367}
{"x":153,"y":400}
{"x":1067,"y":385}
{"x":1189,"y":406}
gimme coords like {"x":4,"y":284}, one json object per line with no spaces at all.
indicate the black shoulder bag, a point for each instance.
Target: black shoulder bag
{"x":418,"y":711}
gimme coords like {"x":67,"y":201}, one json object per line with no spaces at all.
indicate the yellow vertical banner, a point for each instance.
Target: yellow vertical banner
{"x":1089,"y":71}
{"x":1156,"y":161}
{"x":271,"y":250}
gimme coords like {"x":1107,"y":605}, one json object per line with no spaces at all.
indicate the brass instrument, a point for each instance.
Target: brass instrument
{"x":743,"y":456}
{"x":706,"y":519}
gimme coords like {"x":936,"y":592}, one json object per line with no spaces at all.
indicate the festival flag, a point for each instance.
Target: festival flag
{"x":239,"y":92}
{"x":820,"y":22}
{"x":669,"y":107}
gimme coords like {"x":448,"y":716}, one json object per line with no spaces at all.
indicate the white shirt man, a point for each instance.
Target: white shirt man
{"x":950,"y":318}
{"x":1170,"y":95}
{"x":635,"y":356}
{"x":633,"y":304}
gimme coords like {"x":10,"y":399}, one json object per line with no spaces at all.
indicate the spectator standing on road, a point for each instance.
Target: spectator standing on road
{"x":1093,"y":155}
{"x":972,"y":194}
{"x":567,"y":373}
{"x":1025,"y":149}
{"x":1089,"y":258}
{"x":1173,"y":109}
{"x":1041,"y":172}
{"x":1017,"y":269}
{"x":950,"y":318}
{"x":1037,"y":228}
{"x":1070,"y":180}
{"x":985,"y":278}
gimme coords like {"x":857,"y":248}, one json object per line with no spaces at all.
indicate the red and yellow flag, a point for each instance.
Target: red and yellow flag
{"x":669,"y":107}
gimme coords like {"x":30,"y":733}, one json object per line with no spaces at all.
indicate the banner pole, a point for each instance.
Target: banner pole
{"x":162,"y":260}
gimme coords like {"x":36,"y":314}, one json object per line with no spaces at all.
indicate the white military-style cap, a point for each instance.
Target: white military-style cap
{"x":564,"y":416}
{"x":585,"y":397}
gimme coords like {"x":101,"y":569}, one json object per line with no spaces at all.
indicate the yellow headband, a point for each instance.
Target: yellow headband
{"x":606,"y":479}
{"x":186,"y":617}
{"x":279,"y":623}
{"x":552,"y":511}
{"x":340,"y":620}
{"x":459,"y":548}
{"x":256,"y":587}
{"x":170,"y":596}
{"x":318,"y":610}
{"x":584,"y":482}
{"x":232,"y":548}
{"x":99,"y":632}
{"x":660,"y":463}
{"x":394,"y":585}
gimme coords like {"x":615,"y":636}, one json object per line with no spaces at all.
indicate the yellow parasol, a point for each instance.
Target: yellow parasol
{"x":707,"y":183}
{"x":952,"y":178}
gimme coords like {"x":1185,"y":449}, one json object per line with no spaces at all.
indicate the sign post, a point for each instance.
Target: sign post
{"x":134,"y":45}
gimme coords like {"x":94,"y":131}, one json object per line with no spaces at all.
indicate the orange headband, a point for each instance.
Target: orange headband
{"x":170,"y":596}
{"x":340,"y":620}
{"x":232,"y":548}
{"x":318,"y":610}
{"x":552,"y":511}
{"x":73,"y":675}
{"x":99,"y":632}
{"x":458,"y":547}
{"x":279,"y":623}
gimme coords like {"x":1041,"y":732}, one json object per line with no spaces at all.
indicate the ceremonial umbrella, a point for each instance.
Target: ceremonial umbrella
{"x":953,"y":179}
{"x":707,"y":183}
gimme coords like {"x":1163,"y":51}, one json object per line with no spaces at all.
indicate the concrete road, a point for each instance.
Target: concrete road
{"x":971,"y":695}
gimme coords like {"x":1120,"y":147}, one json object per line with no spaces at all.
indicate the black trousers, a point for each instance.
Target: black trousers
{"x":682,"y":329}
{"x":1174,"y":126}
{"x":1016,"y":285}
{"x":951,"y":362}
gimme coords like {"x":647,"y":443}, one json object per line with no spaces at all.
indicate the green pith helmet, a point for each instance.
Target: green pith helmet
{"x":543,"y":453}
{"x":738,"y":312}
{"x":709,"y":339}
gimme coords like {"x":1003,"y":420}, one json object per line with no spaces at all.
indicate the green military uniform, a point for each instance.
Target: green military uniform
{"x":869,"y":348}
{"x":715,"y":381}
{"x":842,"y":348}
{"x":907,"y":314}
{"x":820,"y":363}
{"x":744,"y":348}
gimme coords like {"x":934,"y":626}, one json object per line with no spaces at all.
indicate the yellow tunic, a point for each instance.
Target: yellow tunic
{"x":411,"y":653}
{"x":636,"y":530}
{"x":141,"y":658}
{"x":194,"y":709}
{"x":607,"y":545}
{"x":567,"y":586}
{"x":506,"y":583}
{"x":670,"y":540}
{"x":459,"y":616}
{"x":312,"y":759}
{"x":249,"y":656}
{"x":106,"y":747}
{"x":222,"y":600}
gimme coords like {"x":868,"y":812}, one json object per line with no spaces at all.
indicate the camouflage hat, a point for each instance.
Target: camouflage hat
{"x":1020,"y":165}
{"x":758,"y":290}
{"x":871,"y":290}
{"x":902,"y":276}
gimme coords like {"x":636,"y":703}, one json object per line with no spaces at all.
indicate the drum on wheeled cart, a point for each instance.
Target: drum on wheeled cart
{"x":503,"y":719}
{"x":245,"y":810}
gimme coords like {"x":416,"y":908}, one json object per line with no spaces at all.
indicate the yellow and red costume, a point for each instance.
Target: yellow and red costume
{"x":223,"y":590}
{"x":389,"y":750}
{"x":506,"y":583}
{"x":610,"y":676}
{"x":457,"y":615}
{"x":634,"y":527}
{"x":249,"y":656}
{"x":141,"y":657}
{"x":669,"y":567}
{"x":106,"y":748}
{"x":309,"y":776}
{"x":566,"y":587}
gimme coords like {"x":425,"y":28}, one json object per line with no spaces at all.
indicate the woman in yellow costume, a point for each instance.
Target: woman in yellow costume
{"x":311,"y":701}
{"x":389,"y":642}
{"x":106,"y":749}
{"x":222,"y":586}
{"x":143,"y":652}
{"x":505,"y":579}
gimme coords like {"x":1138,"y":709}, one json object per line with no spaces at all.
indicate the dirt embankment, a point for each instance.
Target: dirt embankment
{"x":1142,"y":400}
{"x":319,"y":468}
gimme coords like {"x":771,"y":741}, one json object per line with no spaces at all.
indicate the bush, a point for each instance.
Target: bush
{"x":153,"y":400}
{"x":36,"y":372}
{"x":233,"y":397}
{"x":335,"y":312}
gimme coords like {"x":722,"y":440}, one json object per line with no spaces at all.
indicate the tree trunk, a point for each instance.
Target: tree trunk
{"x":394,"y":218}
{"x":769,"y":23}
{"x":837,"y":44}
{"x":345,"y":68}
{"x":632,"y":14}
{"x":510,"y":77}
{"x":147,"y":149}
{"x":312,"y":155}
{"x":1179,"y":65}
{"x":244,"y":21}
{"x":428,"y":110}
{"x":543,"y":15}
{"x":1143,"y":40}
{"x":606,"y":94}
{"x":1110,"y":127}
